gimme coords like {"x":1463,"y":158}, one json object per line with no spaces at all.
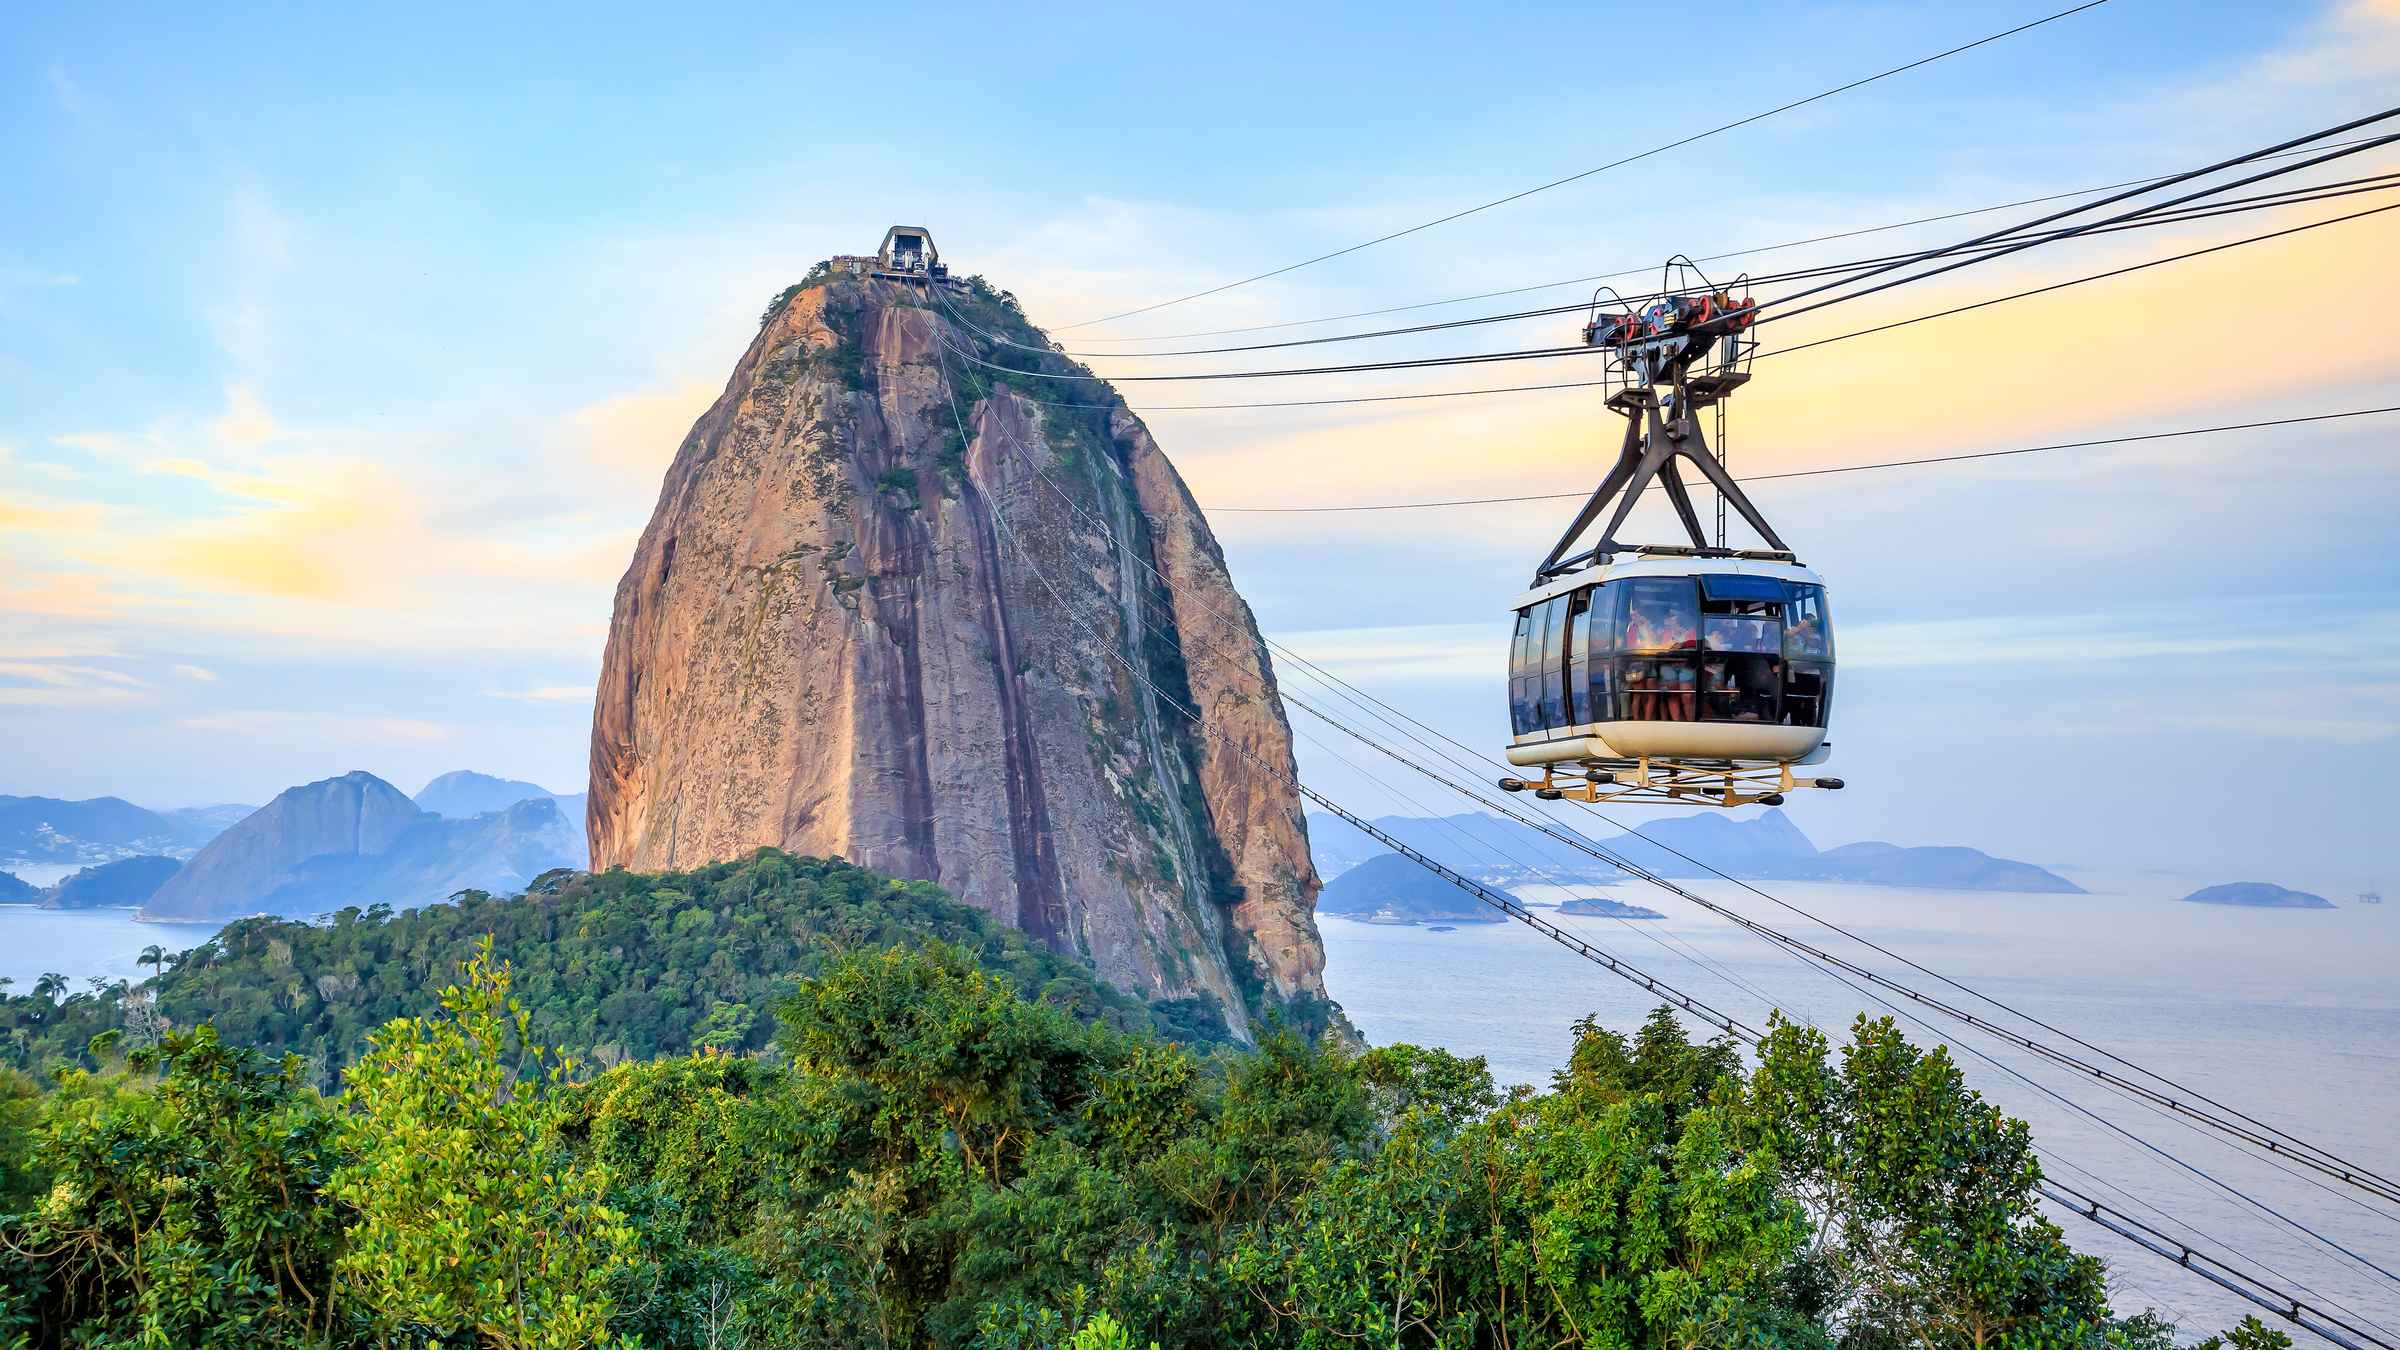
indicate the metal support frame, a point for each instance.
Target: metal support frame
{"x":1670,"y":781}
{"x":1660,"y":437}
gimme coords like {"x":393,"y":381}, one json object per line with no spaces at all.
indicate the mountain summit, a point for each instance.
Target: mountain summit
{"x":888,"y":609}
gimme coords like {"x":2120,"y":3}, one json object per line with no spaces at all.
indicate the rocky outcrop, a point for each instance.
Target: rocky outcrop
{"x":892,"y":610}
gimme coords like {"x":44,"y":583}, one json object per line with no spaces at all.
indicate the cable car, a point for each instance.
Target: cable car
{"x":1688,"y":672}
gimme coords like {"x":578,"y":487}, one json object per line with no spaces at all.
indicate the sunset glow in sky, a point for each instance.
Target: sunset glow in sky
{"x":340,"y":357}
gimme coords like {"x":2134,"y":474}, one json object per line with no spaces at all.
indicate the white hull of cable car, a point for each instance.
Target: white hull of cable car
{"x":1709,"y":743}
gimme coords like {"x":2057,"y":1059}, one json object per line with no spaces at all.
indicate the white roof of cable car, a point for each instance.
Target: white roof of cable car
{"x":1665,"y":566}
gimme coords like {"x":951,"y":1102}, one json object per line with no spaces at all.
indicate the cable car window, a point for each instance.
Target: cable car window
{"x":1733,"y":586}
{"x":1662,"y":614}
{"x":1807,"y":695}
{"x":1601,"y":625}
{"x":1553,"y":672}
{"x":1656,"y":689}
{"x":1740,"y":687}
{"x":1807,"y":628}
{"x":1520,"y":704}
{"x":1742,"y":633}
{"x":1579,"y":677}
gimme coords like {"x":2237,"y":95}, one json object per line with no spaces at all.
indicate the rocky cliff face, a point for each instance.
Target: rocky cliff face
{"x":889,"y":608}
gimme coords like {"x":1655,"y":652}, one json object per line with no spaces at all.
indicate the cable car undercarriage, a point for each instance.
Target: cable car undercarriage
{"x":1689,"y":673}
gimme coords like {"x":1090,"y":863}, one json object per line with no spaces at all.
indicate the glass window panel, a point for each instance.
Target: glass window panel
{"x":1808,"y":629}
{"x":1662,"y":614}
{"x":1739,"y":633}
{"x":1656,"y":689}
{"x":1516,"y":646}
{"x":1605,"y":621}
{"x":1601,"y":704}
{"x":1552,"y":674}
{"x":1579,"y":626}
{"x":1806,"y":688}
{"x":1740,"y":687}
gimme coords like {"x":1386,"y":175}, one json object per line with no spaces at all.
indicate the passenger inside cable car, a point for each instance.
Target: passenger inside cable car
{"x":1718,"y":647}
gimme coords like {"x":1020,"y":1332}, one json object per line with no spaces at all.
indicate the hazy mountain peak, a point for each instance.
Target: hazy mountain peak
{"x":465,"y":792}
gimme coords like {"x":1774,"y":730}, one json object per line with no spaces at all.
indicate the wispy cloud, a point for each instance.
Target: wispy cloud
{"x":67,"y":684}
{"x":548,"y":693}
{"x":201,"y":674}
{"x":68,"y":93}
{"x":349,"y":726}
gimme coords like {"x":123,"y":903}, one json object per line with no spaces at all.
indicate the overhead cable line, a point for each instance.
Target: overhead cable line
{"x":1548,"y":353}
{"x":2078,"y":281}
{"x":2161,"y":216}
{"x":2289,"y":1307}
{"x":1829,"y":469}
{"x":1623,"y":273}
{"x":2018,"y":232}
{"x":1587,"y":173}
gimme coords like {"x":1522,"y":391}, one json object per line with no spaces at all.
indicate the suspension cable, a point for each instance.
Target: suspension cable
{"x":1835,"y":468}
{"x":1622,"y":273}
{"x":1587,"y":173}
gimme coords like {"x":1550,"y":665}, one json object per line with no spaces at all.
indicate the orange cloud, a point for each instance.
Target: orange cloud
{"x":635,"y":434}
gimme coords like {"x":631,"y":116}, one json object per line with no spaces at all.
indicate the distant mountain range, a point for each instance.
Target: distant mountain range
{"x":464,"y":792}
{"x":357,"y":840}
{"x":2257,"y":895}
{"x":51,"y":830}
{"x":1767,"y":846}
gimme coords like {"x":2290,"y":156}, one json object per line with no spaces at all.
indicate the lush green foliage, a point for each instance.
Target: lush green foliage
{"x":926,"y":1156}
{"x":616,"y":967}
{"x":176,"y":1198}
{"x":466,"y":1210}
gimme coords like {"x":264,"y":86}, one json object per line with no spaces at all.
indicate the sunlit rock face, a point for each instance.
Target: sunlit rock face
{"x":885,"y":610}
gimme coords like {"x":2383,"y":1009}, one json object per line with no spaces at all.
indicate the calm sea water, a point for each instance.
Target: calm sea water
{"x":2290,"y":1015}
{"x":2293,"y":1016}
{"x":82,"y":943}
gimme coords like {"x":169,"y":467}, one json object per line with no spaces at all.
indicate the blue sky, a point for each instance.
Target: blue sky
{"x":340,"y":354}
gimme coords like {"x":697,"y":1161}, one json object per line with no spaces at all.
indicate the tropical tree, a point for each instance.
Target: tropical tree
{"x":153,"y":956}
{"x":469,"y":1216}
{"x":183,"y":1203}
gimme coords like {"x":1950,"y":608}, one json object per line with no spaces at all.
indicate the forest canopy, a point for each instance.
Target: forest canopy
{"x":931,"y":1135}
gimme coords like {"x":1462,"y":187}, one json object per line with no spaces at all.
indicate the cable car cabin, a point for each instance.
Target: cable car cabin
{"x":1680,"y":678}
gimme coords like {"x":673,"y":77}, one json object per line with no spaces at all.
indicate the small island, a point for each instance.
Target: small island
{"x":1392,"y":890}
{"x":1608,"y":909}
{"x":2257,"y":895}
